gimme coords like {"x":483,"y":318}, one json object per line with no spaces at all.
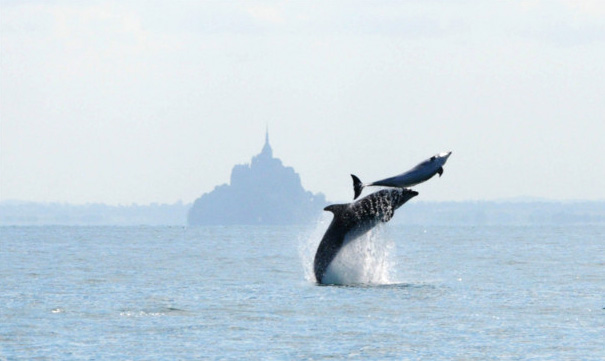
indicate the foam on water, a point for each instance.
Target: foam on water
{"x":367,"y":259}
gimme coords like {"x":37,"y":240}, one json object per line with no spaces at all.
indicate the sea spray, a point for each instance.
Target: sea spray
{"x":308,"y":243}
{"x":366,"y":259}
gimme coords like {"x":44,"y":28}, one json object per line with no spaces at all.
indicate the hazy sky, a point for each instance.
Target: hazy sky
{"x":149,"y":101}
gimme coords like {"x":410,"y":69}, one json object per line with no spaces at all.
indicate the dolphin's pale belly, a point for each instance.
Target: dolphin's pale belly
{"x":408,"y":179}
{"x":360,"y":230}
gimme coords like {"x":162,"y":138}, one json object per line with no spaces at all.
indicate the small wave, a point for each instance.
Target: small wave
{"x":165,"y":311}
{"x":376,"y":286}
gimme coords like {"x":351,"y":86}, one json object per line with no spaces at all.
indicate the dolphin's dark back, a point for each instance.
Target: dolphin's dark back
{"x":328,"y":248}
{"x":361,"y":216}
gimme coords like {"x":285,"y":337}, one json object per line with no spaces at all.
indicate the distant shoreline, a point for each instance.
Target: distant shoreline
{"x":15,"y":213}
{"x":32,"y":213}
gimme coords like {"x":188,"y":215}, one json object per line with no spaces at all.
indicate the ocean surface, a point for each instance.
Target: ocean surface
{"x":248,"y":293}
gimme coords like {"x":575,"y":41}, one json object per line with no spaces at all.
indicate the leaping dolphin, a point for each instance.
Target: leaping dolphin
{"x":420,"y":173}
{"x":352,"y":220}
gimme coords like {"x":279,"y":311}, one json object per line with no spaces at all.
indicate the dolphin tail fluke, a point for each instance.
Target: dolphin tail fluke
{"x":357,"y":186}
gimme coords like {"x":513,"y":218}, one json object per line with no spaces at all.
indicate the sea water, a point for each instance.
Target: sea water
{"x":248,"y":293}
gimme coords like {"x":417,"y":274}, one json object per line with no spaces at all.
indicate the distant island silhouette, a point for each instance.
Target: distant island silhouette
{"x":262,"y":192}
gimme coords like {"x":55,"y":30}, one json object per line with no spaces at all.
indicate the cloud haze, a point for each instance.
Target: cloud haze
{"x":134,"y":101}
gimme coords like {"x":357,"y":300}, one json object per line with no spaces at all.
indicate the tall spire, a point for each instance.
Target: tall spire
{"x":267,"y":151}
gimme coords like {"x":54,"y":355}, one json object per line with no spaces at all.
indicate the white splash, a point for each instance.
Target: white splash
{"x":309,"y":242}
{"x":368,"y":259}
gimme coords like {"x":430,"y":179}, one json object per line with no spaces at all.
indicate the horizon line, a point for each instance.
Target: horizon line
{"x":517,"y":199}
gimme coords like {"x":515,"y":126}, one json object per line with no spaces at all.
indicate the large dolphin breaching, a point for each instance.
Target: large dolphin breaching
{"x":352,"y":220}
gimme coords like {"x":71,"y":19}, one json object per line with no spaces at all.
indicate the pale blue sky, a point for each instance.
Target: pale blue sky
{"x":148,"y":101}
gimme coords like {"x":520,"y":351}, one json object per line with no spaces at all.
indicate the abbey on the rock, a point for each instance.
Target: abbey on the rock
{"x":262,"y":192}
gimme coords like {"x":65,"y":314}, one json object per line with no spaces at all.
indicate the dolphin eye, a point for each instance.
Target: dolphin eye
{"x":432,"y":158}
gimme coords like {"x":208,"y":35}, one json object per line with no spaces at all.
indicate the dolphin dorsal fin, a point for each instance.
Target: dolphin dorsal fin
{"x":336,"y":208}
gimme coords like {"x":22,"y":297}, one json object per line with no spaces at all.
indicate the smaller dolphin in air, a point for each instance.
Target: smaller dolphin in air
{"x":420,"y":173}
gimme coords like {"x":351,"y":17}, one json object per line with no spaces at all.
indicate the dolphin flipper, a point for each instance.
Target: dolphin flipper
{"x":336,"y":208}
{"x":357,"y":186}
{"x":440,"y":171}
